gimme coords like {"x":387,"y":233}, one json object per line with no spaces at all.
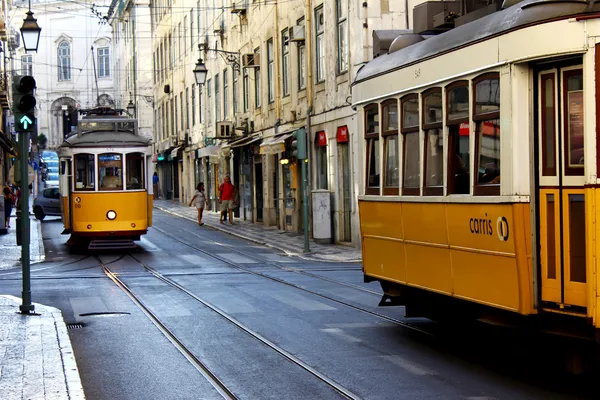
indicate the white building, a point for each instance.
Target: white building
{"x":72,"y":67}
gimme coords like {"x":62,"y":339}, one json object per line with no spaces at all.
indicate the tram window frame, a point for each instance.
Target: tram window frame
{"x":390,"y":136}
{"x":101,"y":176}
{"x":485,"y":189}
{"x":409,"y":130}
{"x":86,"y":171}
{"x":453,"y":131}
{"x":372,"y":144}
{"x":142,"y":175}
{"x":437,"y":190}
{"x":569,"y":168}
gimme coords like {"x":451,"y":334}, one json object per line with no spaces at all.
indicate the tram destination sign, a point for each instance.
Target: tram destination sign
{"x":107,"y":126}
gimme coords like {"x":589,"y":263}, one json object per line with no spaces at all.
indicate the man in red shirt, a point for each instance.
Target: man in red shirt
{"x":226,"y":199}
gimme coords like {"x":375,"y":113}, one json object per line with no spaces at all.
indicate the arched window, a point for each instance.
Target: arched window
{"x":486,"y":114}
{"x":457,"y":119}
{"x":391,"y":172}
{"x":372,"y":146}
{"x":434,"y":142}
{"x":64,"y":61}
{"x":411,"y":184}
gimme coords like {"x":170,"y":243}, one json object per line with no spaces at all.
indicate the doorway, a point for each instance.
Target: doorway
{"x":560,"y":186}
{"x":258,"y":190}
{"x":346,"y":181}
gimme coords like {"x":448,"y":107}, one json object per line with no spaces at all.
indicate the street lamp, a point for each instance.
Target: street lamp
{"x":30,"y":31}
{"x":131,"y":108}
{"x":200,"y":72}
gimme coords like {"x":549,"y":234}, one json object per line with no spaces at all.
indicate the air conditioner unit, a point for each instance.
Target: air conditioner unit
{"x":224,"y":129}
{"x":297,"y":33}
{"x":248,"y":61}
{"x":239,"y":8}
{"x":241,"y":123}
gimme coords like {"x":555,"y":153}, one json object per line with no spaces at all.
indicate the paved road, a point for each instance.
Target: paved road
{"x":319,"y":315}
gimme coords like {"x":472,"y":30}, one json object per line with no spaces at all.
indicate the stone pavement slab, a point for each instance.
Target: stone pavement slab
{"x":289,"y":243}
{"x":10,"y":253}
{"x":36,"y":357}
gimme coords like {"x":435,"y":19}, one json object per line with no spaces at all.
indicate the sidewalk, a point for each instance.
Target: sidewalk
{"x":36,"y":358}
{"x":290,"y":243}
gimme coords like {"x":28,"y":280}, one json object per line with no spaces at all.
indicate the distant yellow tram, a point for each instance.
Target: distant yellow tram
{"x":106,"y":181}
{"x":479,"y":183}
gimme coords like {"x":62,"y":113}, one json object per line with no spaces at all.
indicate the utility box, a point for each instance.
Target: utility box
{"x":321,"y":208}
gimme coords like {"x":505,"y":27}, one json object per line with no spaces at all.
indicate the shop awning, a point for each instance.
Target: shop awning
{"x":246,"y":141}
{"x":175,"y":151}
{"x":275,"y":144}
{"x":8,"y":144}
{"x":208,"y":151}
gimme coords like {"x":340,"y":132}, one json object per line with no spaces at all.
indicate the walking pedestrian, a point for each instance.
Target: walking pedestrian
{"x":8,"y":204}
{"x":226,"y":199}
{"x":155,"y":185}
{"x":199,"y":201}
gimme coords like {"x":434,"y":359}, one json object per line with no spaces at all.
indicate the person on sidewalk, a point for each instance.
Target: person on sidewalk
{"x":226,"y":199}
{"x":155,"y":185}
{"x":199,"y":200}
{"x":8,"y":204}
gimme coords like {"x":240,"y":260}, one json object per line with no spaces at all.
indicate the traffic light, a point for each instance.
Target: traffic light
{"x":24,"y":103}
{"x":299,"y":144}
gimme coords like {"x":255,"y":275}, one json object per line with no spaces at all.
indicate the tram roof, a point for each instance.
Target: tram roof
{"x":520,"y":15}
{"x":106,"y":139}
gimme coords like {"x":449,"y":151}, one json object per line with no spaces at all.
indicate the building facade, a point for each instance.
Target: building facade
{"x":8,"y":38}
{"x":72,"y":67}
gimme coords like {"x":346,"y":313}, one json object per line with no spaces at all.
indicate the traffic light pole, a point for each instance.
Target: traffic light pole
{"x":26,"y":307}
{"x":305,"y":205}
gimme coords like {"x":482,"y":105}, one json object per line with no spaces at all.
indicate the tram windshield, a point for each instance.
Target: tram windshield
{"x":135,"y":171}
{"x":110,"y":171}
{"x":84,"y":172}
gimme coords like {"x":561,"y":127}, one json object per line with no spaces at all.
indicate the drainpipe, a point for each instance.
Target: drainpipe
{"x":276,"y":47}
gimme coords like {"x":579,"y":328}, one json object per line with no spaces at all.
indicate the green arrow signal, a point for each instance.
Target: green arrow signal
{"x":25,"y":120}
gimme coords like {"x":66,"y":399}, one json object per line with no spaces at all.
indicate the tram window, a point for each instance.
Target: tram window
{"x":458,"y":101}
{"x":459,"y":181}
{"x":85,"y":171}
{"x":434,"y":142}
{"x":411,"y":182}
{"x":548,"y":114}
{"x":573,"y":116}
{"x":389,"y":110}
{"x":110,"y":171}
{"x":372,"y":145}
{"x":410,"y":112}
{"x":487,"y":134}
{"x":135,"y":171}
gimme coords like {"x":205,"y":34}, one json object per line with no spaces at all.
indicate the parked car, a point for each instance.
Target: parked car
{"x":47,"y":203}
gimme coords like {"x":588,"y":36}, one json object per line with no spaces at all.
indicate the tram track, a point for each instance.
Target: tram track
{"x":215,"y":381}
{"x":284,"y":282}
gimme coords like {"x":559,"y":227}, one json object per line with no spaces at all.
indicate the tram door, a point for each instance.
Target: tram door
{"x":561,"y":180}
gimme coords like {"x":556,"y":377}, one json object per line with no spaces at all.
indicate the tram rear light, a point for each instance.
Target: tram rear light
{"x":89,"y":226}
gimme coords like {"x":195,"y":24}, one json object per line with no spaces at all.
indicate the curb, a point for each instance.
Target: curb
{"x":250,"y":239}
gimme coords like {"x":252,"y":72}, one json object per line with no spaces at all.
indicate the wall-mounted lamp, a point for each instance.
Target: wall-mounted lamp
{"x":284,"y":161}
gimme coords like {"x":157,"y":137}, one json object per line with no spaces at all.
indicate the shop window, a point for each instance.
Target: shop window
{"x":110,"y":171}
{"x":457,"y":101}
{"x":372,"y":146}
{"x":412,"y":156}
{"x":487,"y":134}
{"x":389,"y":111}
{"x":135,"y":171}
{"x":434,"y":142}
{"x":321,"y":157}
{"x":85,"y":172}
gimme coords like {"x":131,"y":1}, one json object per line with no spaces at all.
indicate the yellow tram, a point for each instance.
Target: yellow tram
{"x":106,"y":181}
{"x":479,"y":187}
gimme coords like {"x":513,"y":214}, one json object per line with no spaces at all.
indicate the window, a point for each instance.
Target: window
{"x":573,"y":122}
{"x":245,"y":90}
{"x":135,"y":171}
{"x":187,"y":108}
{"x":487,"y":134}
{"x":85,"y":172}
{"x":372,"y":146}
{"x":27,"y":65}
{"x":225,"y":95}
{"x":342,"y":37}
{"x":412,"y":155}
{"x":208,"y":111}
{"x":548,"y":124}
{"x":235,"y":91}
{"x":321,"y":157}
{"x":457,"y":119}
{"x":320,"y":43}
{"x":301,"y":61}
{"x":193,"y":104}
{"x":200,"y":111}
{"x":185,"y":33}
{"x":434,"y":142}
{"x":64,"y":61}
{"x":179,"y":47}
{"x":217,"y":99}
{"x":285,"y":62}
{"x":389,"y":110}
{"x":257,"y":80}
{"x":270,"y":71}
{"x":110,"y":171}
{"x":103,"y":62}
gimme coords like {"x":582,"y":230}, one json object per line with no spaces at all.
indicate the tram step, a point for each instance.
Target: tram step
{"x":111,"y":244}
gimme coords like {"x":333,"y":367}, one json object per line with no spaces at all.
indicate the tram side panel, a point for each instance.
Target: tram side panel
{"x":473,"y":252}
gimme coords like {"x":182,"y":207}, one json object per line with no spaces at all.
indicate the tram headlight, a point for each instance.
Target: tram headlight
{"x":111,"y":215}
